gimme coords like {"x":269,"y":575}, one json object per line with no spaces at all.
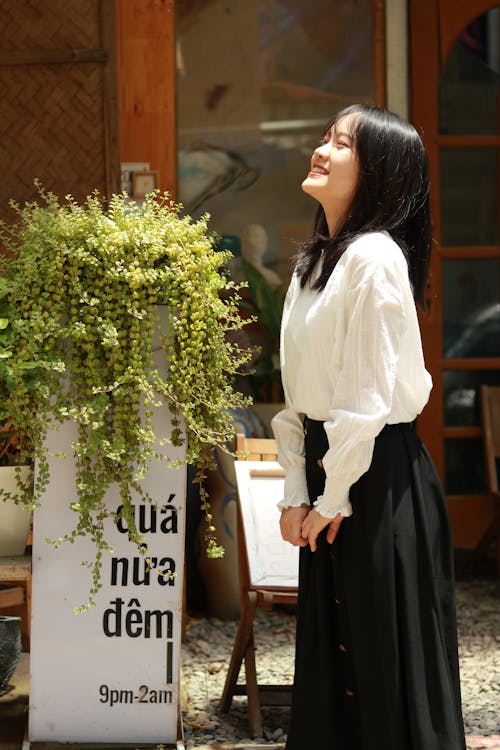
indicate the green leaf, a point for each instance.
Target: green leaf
{"x":5,"y":287}
{"x":81,"y":283}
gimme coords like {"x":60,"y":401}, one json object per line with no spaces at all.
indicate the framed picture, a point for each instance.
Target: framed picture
{"x":127,"y":169}
{"x":143,"y":183}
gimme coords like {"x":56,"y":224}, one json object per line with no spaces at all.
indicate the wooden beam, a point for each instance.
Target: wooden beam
{"x":51,"y":56}
{"x":380,"y":61}
{"x":11,"y":597}
{"x":468,"y":141}
{"x":462,"y":433}
{"x":110,"y":98}
{"x":479,"y":251}
{"x":474,"y":363}
{"x":424,"y":56}
{"x":146,"y":85}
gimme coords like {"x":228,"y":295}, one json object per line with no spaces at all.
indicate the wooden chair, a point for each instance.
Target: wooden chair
{"x":490,"y":421}
{"x":251,"y":597}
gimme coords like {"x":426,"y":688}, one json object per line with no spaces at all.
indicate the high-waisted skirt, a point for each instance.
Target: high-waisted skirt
{"x":376,"y":663}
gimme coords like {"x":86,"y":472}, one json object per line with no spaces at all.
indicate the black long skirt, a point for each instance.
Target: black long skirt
{"x":376,"y":659}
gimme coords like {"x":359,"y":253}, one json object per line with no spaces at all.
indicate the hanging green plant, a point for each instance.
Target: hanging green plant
{"x":84,"y":280}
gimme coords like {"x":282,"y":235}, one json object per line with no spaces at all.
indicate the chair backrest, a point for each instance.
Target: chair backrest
{"x":256,"y":449}
{"x":490,"y":420}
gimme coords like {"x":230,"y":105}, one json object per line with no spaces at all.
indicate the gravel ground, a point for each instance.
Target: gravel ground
{"x":208,"y":645}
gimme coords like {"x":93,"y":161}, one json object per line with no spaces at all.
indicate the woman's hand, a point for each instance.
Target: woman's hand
{"x":314,"y":523}
{"x":291,"y":525}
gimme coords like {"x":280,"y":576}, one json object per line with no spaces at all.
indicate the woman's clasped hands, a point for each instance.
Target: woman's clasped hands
{"x":301,"y":526}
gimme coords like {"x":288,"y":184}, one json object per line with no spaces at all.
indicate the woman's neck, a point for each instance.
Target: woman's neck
{"x":334,"y":218}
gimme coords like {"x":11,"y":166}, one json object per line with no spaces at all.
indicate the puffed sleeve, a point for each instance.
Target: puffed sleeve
{"x":289,"y":432}
{"x":363,"y":392}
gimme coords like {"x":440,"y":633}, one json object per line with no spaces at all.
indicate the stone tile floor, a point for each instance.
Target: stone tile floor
{"x":206,"y":654}
{"x":208,"y":646}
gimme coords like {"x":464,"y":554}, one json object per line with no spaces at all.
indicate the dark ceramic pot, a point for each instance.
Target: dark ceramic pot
{"x":10,"y":647}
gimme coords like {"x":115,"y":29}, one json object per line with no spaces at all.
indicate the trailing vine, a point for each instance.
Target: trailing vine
{"x":84,"y":280}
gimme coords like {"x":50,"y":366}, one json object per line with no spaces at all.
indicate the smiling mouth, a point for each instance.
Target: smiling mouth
{"x":316,"y":169}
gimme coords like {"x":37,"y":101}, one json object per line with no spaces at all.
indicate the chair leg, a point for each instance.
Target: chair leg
{"x":254,"y":717}
{"x":489,"y":537}
{"x":244,"y":636}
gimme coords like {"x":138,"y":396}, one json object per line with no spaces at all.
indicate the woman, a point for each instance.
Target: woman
{"x":376,"y":660}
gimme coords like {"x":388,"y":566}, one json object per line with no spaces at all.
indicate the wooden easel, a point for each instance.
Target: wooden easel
{"x":253,"y":595}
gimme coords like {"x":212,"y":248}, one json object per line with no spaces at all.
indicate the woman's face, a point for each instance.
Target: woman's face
{"x":334,"y":169}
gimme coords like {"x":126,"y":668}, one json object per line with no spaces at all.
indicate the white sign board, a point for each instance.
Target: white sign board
{"x":111,"y":674}
{"x":272,"y":561}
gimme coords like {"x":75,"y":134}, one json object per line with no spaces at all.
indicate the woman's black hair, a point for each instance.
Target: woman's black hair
{"x":392,"y":194}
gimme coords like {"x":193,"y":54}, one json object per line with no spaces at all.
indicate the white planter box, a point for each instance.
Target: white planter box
{"x":109,"y":675}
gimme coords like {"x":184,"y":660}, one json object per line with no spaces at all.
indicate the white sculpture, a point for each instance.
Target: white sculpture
{"x":254,"y":245}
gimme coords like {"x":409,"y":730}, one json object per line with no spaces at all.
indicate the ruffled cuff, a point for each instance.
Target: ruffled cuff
{"x":329,"y":510}
{"x":296,"y":503}
{"x":335,"y":497}
{"x":295,"y":484}
{"x":295,"y":487}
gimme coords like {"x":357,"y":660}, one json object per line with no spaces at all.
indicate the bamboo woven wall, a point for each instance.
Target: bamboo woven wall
{"x":58,"y":98}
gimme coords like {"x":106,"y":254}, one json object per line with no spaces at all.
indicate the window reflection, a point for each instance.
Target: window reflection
{"x":471,"y":308}
{"x":469,"y":196}
{"x":461,"y":395}
{"x":257,"y":81}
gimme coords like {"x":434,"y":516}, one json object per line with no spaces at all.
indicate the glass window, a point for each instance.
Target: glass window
{"x":469,"y":196}
{"x":257,"y":82}
{"x":461,"y":395}
{"x":469,"y":84}
{"x":471,"y":308}
{"x":464,"y":467}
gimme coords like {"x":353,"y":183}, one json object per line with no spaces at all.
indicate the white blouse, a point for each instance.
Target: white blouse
{"x":351,"y":356}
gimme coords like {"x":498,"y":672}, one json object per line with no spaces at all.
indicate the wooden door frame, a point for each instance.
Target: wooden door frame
{"x":147,"y":86}
{"x":464,"y":11}
{"x":427,"y":60}
{"x":439,"y":22}
{"x":424,"y":115}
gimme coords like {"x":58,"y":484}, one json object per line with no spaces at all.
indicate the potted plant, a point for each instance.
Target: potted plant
{"x":14,"y":521}
{"x":84,"y":281}
{"x":16,"y":466}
